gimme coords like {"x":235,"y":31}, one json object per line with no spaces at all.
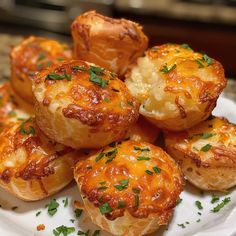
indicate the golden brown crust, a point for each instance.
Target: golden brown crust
{"x":11,"y":106}
{"x":206,"y":153}
{"x":177,"y":87}
{"x":151,"y":185}
{"x":33,"y":167}
{"x":111,"y":43}
{"x":88,"y":107}
{"x":32,"y":55}
{"x":143,"y":131}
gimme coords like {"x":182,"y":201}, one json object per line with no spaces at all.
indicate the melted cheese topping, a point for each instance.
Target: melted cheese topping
{"x":148,"y":186}
{"x":212,"y":143}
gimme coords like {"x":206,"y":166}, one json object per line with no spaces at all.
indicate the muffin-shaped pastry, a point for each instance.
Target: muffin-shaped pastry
{"x":83,"y":106}
{"x":33,"y":167}
{"x":12,"y":107}
{"x":111,"y":43}
{"x":129,"y":188}
{"x":177,"y":87}
{"x":206,"y":153}
{"x":143,"y":131}
{"x":32,"y":55}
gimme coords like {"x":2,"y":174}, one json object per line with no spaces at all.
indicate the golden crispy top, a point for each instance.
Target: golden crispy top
{"x":36,"y":53}
{"x":90,"y":94}
{"x":134,"y":176}
{"x":25,"y":152}
{"x":210,"y":143}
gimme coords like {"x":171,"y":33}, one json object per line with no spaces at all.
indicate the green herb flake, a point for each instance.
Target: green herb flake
{"x":207,"y":135}
{"x":198,"y":205}
{"x":107,"y":100}
{"x":182,"y":226}
{"x":63,"y":230}
{"x":105,"y":208}
{"x":38,"y":213}
{"x":154,"y":49}
{"x":207,"y":59}
{"x":214,"y":199}
{"x":78,"y":212}
{"x":65,"y":202}
{"x":41,"y":57}
{"x":96,"y":232}
{"x":83,"y":233}
{"x":149,"y":172}
{"x":54,"y":76}
{"x":156,"y":169}
{"x":72,"y":221}
{"x":12,"y":113}
{"x":166,"y":70}
{"x":102,"y":187}
{"x":199,"y":62}
{"x":78,"y":68}
{"x":98,"y":80}
{"x":52,"y":207}
{"x":136,"y":190}
{"x":178,"y":201}
{"x":99,"y":156}
{"x":185,"y":46}
{"x":121,"y":204}
{"x":60,"y":59}
{"x":142,"y":158}
{"x":198,"y":220}
{"x":206,"y":148}
{"x":137,"y":200}
{"x":221,"y":205}
{"x":123,"y":184}
{"x":29,"y":130}
{"x":141,"y":149}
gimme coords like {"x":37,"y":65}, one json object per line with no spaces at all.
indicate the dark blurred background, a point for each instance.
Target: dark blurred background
{"x":206,"y":25}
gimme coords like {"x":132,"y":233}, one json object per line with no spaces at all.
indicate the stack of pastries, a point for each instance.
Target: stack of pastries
{"x":113,"y":96}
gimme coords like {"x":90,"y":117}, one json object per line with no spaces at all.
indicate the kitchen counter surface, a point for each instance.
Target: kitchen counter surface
{"x":7,"y":41}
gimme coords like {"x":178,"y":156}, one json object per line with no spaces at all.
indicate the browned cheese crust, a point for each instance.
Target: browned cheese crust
{"x":33,"y":167}
{"x":137,"y":181}
{"x":206,"y":153}
{"x":83,"y":106}
{"x":32,"y":55}
{"x":111,"y":43}
{"x":177,"y":87}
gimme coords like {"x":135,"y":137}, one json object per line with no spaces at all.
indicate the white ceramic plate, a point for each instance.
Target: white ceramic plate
{"x":23,"y":221}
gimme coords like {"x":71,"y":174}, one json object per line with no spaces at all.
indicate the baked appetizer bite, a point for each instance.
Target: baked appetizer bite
{"x":206,"y":153}
{"x":129,"y":188}
{"x":33,"y":167}
{"x":32,"y":55}
{"x":111,"y":43}
{"x":177,"y":87}
{"x":143,"y":131}
{"x":83,"y":106}
{"x":11,"y":106}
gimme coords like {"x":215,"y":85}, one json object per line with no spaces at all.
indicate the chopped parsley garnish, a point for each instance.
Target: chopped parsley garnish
{"x":83,"y":233}
{"x":198,"y":205}
{"x":207,"y":59}
{"x":99,"y":156}
{"x":142,"y":158}
{"x":166,"y":70}
{"x":54,"y":76}
{"x":94,"y":73}
{"x":199,"y":213}
{"x":178,"y":201}
{"x":110,"y":154}
{"x":52,"y":207}
{"x":141,"y":149}
{"x":221,"y":205}
{"x":78,"y":212}
{"x":136,"y":190}
{"x":186,"y":46}
{"x":12,"y":113}
{"x":156,"y":169}
{"x":123,"y":184}
{"x":206,"y":148}
{"x":199,"y":62}
{"x":30,"y":129}
{"x":63,"y":230}
{"x":137,"y":200}
{"x":96,"y":232}
{"x":182,"y":226}
{"x":38,"y":213}
{"x":72,"y":221}
{"x":149,"y":172}
{"x":121,"y":204}
{"x":105,"y":208}
{"x":41,"y":57}
{"x":207,"y":135}
{"x":107,"y":100}
{"x":215,"y":198}
{"x":102,"y":187}
{"x":78,"y":68}
{"x":65,"y":202}
{"x":198,"y":220}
